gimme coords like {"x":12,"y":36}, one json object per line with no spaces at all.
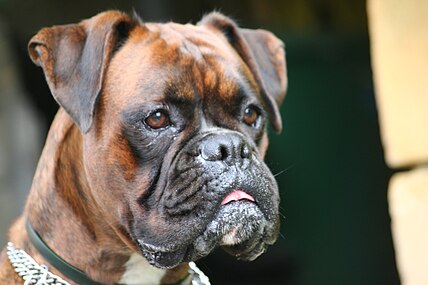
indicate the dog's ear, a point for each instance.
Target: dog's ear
{"x":264,"y":55}
{"x":74,"y":59}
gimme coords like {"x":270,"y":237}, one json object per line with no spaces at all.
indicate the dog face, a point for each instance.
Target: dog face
{"x":174,"y":129}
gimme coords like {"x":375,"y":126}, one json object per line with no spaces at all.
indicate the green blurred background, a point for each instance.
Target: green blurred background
{"x":328,"y":160}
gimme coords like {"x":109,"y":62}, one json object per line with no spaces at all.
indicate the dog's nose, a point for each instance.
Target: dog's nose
{"x":222,"y":147}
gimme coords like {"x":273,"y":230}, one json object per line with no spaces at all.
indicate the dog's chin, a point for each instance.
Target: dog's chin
{"x":163,"y":257}
{"x":240,"y":228}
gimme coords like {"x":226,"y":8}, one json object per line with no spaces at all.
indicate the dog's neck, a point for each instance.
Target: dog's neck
{"x":68,"y":221}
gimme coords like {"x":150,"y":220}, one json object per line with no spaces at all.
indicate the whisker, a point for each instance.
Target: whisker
{"x":282,"y":171}
{"x":281,"y":214}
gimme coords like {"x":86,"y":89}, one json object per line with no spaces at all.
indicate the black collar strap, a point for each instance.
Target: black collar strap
{"x":76,"y":274}
{"x":60,"y":264}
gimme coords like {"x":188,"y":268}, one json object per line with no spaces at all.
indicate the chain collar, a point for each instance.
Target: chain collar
{"x":33,"y":273}
{"x":199,"y":278}
{"x":29,"y":270}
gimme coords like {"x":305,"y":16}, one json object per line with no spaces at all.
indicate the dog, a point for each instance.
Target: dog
{"x":155,"y":156}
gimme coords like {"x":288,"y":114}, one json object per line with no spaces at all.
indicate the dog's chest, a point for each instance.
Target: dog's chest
{"x":140,"y":272}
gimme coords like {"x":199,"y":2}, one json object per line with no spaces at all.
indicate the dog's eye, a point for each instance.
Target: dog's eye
{"x":157,"y":120}
{"x":251,"y":116}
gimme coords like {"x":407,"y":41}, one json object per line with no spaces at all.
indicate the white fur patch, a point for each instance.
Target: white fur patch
{"x":230,"y":238}
{"x":140,"y":272}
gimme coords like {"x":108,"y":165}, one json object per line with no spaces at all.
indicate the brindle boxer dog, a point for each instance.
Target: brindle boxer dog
{"x":156,"y":154}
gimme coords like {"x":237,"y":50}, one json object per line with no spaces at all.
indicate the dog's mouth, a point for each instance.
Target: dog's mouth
{"x":239,"y":227}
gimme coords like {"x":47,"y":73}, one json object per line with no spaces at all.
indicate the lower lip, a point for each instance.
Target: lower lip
{"x":237,"y":195}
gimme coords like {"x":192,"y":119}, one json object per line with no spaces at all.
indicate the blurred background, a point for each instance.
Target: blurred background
{"x":328,"y":160}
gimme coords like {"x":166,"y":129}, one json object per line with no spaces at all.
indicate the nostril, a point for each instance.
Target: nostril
{"x":214,"y":151}
{"x":224,"y":153}
{"x":245,"y":151}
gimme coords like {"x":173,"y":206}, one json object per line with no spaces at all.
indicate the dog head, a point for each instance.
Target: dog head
{"x":173,"y":119}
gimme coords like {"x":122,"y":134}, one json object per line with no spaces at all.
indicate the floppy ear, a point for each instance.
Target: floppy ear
{"x":264,"y":55}
{"x":74,"y":59}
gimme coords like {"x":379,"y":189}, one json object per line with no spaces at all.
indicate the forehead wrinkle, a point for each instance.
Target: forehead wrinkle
{"x":209,"y":57}
{"x":180,"y":92}
{"x":191,"y":61}
{"x":176,"y":39}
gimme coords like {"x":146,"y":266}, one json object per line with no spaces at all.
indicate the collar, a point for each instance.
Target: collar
{"x":56,"y":261}
{"x":33,"y":273}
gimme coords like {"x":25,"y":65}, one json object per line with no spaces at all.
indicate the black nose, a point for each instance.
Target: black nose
{"x":222,"y":147}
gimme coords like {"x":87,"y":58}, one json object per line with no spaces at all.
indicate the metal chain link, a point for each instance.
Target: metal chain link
{"x":33,"y":273}
{"x":199,"y":278}
{"x":29,"y":270}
